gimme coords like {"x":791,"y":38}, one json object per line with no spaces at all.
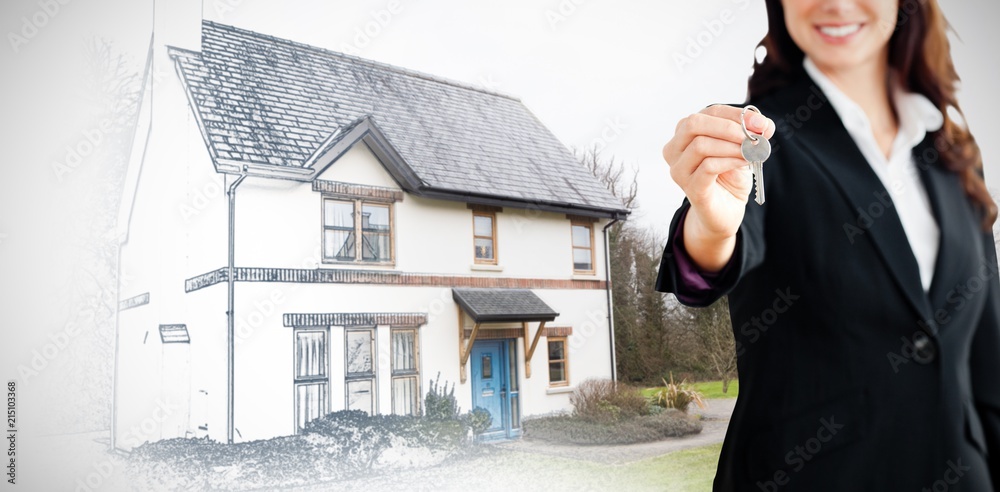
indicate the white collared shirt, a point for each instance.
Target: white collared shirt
{"x":899,"y":174}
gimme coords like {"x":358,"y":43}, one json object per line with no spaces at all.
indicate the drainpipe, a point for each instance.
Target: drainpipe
{"x":114,"y":373}
{"x":611,"y":316}
{"x":230,"y":315}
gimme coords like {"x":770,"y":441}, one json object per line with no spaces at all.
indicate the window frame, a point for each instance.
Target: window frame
{"x":350,"y":377}
{"x":323,"y":380}
{"x":564,"y":361}
{"x":358,"y":204}
{"x":409,"y":374}
{"x":574,"y":247}
{"x":493,"y":222}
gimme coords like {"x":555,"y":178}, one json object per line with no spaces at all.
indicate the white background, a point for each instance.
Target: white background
{"x":586,"y":68}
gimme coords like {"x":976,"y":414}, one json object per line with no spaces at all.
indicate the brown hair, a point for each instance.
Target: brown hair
{"x":919,"y":51}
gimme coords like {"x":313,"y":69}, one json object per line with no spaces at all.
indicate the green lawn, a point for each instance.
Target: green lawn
{"x":684,"y":471}
{"x":708,"y":389}
{"x":713,"y":389}
{"x":691,"y":470}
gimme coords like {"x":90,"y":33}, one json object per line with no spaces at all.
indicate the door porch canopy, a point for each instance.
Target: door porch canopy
{"x":488,"y":305}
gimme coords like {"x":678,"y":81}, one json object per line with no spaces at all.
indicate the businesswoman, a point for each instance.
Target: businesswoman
{"x":864,"y":291}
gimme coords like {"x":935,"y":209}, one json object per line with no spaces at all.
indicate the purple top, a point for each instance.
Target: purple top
{"x":697,"y":285}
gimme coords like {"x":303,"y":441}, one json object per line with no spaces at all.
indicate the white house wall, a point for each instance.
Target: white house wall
{"x":177,"y":229}
{"x":279,"y":225}
{"x":138,"y":378}
{"x":205,"y":312}
{"x":359,"y":165}
{"x":264,"y":351}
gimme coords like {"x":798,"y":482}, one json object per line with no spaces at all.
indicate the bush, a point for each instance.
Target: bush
{"x":372,"y":434}
{"x":479,"y":419}
{"x":678,"y":396}
{"x":202,"y":464}
{"x":339,"y":445}
{"x":440,"y":402}
{"x":603,"y":400}
{"x":564,"y":429}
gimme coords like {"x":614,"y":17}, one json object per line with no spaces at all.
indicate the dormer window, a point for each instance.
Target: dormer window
{"x":351,"y":226}
{"x":376,"y":244}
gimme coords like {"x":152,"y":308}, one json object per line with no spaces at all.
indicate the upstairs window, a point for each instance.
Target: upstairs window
{"x":375,"y":233}
{"x":583,"y":248}
{"x":339,"y":239}
{"x":350,"y":226}
{"x":485,"y":236}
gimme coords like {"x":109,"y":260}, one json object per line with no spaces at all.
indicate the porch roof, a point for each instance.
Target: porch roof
{"x":493,"y":305}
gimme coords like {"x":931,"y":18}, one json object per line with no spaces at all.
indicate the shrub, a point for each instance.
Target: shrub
{"x":679,"y":395}
{"x":202,"y":464}
{"x":603,"y":400}
{"x":373,"y":433}
{"x":479,"y":419}
{"x":565,"y":429}
{"x":336,"y":446}
{"x":440,"y":402}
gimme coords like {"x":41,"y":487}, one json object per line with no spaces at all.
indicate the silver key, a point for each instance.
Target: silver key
{"x":756,"y":152}
{"x":755,"y":149}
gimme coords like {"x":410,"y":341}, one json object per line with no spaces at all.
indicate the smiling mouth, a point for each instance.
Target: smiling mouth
{"x":841,"y":31}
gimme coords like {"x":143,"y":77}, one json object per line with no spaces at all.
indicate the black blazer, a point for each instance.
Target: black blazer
{"x":851,"y":377}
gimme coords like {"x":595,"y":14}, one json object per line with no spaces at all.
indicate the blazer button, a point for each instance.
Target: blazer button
{"x":924,"y":350}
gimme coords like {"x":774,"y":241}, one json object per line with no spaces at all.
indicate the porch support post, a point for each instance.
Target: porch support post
{"x":529,"y":351}
{"x":465,"y":349}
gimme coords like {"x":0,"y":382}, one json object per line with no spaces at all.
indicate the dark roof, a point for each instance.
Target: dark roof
{"x":280,"y":105}
{"x":485,"y":305}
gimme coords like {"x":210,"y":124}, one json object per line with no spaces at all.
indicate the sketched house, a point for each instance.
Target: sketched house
{"x":304,"y":232}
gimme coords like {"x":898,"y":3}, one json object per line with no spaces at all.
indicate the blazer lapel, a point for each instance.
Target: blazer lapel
{"x":824,"y":136}
{"x":955,"y":220}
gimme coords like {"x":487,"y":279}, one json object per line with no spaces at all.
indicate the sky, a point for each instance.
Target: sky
{"x":618,"y":75}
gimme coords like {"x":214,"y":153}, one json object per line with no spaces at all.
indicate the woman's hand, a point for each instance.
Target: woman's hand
{"x":705,"y":160}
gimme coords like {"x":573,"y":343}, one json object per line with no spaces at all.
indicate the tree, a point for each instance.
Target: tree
{"x":714,"y":334}
{"x":639,"y":310}
{"x":109,"y":91}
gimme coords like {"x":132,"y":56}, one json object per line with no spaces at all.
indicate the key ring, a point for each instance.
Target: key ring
{"x":743,"y":121}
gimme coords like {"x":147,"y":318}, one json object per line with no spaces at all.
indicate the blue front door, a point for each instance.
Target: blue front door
{"x":490,"y":385}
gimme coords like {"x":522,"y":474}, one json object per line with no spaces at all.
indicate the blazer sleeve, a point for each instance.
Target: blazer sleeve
{"x":673,"y":275}
{"x":985,"y":364}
